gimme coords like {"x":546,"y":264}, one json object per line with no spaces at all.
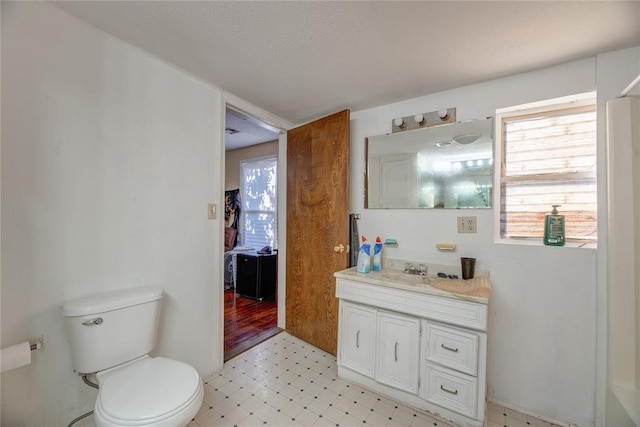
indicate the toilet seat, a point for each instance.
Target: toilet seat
{"x":148,"y":392}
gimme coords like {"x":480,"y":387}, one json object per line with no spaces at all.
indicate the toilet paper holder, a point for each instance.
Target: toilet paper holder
{"x":35,"y":344}
{"x":18,"y":355}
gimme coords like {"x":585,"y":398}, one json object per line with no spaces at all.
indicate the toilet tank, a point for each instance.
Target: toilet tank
{"x":111,"y":328}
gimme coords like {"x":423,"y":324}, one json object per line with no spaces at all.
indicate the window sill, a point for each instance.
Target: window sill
{"x":527,"y":242}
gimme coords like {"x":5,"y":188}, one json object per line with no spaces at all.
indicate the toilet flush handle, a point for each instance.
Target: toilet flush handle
{"x":96,"y":321}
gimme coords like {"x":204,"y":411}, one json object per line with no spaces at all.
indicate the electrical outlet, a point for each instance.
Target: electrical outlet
{"x":467,"y":224}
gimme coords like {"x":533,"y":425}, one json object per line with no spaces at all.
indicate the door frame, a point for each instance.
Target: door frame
{"x":238,"y":104}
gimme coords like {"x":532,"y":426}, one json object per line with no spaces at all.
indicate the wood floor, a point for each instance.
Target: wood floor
{"x":247,"y":322}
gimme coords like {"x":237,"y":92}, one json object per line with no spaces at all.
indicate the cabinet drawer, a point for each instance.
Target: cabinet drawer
{"x":453,"y":390}
{"x":452,"y":347}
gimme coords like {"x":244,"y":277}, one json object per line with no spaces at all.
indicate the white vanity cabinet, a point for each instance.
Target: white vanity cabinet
{"x":421,"y":346}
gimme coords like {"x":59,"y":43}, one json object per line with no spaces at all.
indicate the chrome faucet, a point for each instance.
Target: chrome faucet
{"x":420,"y":270}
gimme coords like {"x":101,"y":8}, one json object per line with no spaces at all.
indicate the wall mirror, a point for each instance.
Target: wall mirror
{"x":445,"y":166}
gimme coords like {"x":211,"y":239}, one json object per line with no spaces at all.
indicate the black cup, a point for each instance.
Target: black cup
{"x":468,"y":267}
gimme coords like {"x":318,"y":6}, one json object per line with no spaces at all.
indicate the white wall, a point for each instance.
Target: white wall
{"x":109,"y":158}
{"x":543,"y":312}
{"x":234,"y":157}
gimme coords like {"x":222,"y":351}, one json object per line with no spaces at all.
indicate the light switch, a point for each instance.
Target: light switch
{"x":211,"y":211}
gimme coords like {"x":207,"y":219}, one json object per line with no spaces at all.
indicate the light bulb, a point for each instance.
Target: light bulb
{"x":398,"y":122}
{"x":419,"y":118}
{"x":443,"y":113}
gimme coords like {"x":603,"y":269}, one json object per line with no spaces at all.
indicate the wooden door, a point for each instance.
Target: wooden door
{"x":317,"y":226}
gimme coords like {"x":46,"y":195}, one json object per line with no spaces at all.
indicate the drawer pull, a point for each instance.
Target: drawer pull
{"x":455,"y":350}
{"x":395,"y":352}
{"x":447,"y":390}
{"x":358,"y":339}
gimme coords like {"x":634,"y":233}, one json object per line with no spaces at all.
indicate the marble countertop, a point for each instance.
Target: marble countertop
{"x":477,"y":289}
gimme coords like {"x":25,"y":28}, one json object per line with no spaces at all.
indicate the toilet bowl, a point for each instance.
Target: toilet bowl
{"x":148,"y":392}
{"x":111,"y":335}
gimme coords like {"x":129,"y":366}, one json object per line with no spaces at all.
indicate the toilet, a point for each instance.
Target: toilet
{"x":111,"y":334}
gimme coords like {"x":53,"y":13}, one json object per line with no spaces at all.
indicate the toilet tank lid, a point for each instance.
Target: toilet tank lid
{"x":112,"y":300}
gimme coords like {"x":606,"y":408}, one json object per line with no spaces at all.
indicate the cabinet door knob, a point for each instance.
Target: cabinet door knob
{"x":339,"y":248}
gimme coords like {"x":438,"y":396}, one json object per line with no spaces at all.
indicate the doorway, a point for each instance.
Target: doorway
{"x":251,"y":246}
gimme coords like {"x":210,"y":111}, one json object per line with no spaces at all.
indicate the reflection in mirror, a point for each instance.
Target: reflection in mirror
{"x":445,"y":166}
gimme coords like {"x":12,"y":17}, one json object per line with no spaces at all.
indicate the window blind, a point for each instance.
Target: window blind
{"x":549,"y":158}
{"x":259,"y":202}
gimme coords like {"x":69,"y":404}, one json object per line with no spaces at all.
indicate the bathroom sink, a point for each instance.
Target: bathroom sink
{"x":399,"y":276}
{"x":476,"y":287}
{"x":393,"y":275}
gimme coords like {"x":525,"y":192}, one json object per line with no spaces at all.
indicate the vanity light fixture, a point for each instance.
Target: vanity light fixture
{"x":419,"y":121}
{"x":398,"y":122}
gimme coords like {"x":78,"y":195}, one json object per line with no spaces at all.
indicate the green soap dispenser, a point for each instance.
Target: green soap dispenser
{"x":554,"y":228}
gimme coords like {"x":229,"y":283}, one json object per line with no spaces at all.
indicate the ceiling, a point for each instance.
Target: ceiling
{"x":300,"y":60}
{"x":242,"y":131}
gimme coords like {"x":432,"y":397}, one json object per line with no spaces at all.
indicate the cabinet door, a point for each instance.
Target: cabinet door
{"x":357,"y":338}
{"x":398,"y":351}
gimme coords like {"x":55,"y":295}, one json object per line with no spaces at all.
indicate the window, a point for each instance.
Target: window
{"x":258,"y":225}
{"x":548,"y":157}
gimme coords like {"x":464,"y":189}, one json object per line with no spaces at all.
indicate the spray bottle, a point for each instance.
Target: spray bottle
{"x":377,"y":255}
{"x":364,"y":257}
